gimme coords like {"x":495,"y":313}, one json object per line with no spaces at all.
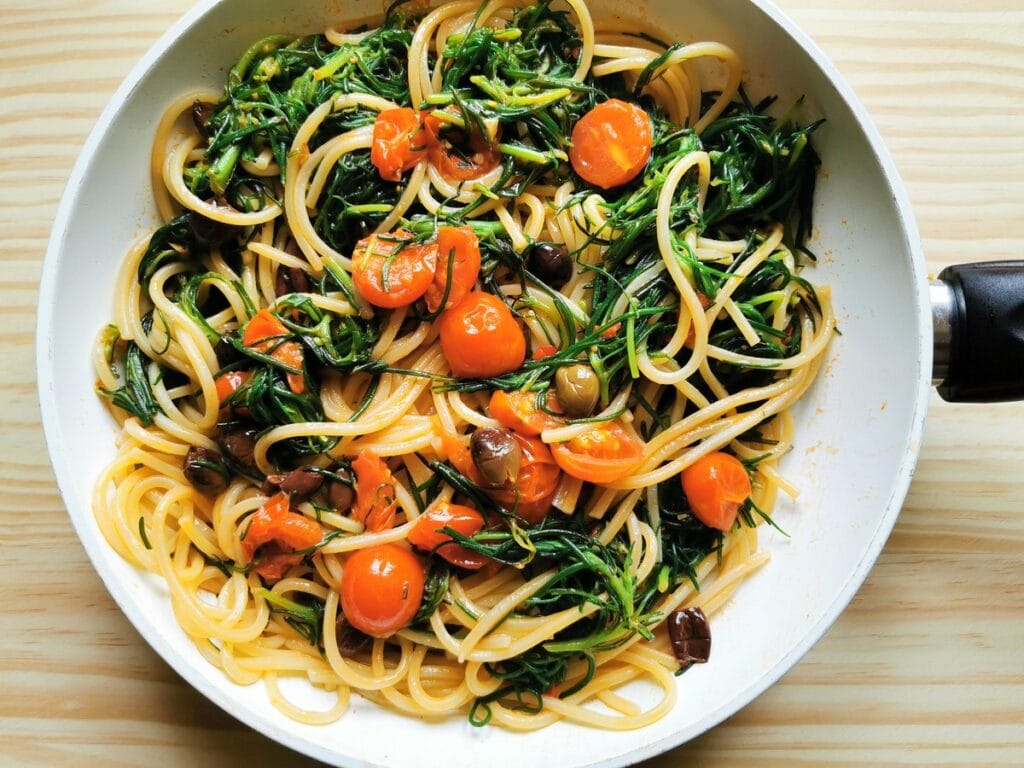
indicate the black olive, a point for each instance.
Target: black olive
{"x":202,"y":111}
{"x":206,"y":470}
{"x":690,"y":634}
{"x":226,"y":352}
{"x":340,"y":495}
{"x":578,"y":389}
{"x":299,"y":484}
{"x":290,"y":280}
{"x":209,"y":232}
{"x":351,"y":641}
{"x":551,"y":263}
{"x":239,"y":443}
{"x":497,"y":455}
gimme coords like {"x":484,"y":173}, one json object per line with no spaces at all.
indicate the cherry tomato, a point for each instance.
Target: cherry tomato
{"x":427,"y":534}
{"x":376,"y":503}
{"x":603,"y":454}
{"x":390,"y":271}
{"x":534,"y":489}
{"x":518,"y":411}
{"x":381,"y":589}
{"x":611,"y":144}
{"x":263,"y":333}
{"x":457,"y":157}
{"x":399,"y":142}
{"x":229,"y":383}
{"x":715,"y":487}
{"x":274,"y":524}
{"x":461,"y":245}
{"x":544,"y":350}
{"x":481,"y":338}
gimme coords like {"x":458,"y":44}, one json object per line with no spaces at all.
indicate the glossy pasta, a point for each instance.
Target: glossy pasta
{"x":702,"y":333}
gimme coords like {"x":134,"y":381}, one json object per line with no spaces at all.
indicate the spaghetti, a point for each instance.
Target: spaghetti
{"x":304,"y":382}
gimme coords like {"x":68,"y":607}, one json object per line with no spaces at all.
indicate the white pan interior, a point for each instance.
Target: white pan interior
{"x":859,"y":427}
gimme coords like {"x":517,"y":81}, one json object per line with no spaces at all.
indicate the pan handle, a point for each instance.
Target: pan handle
{"x":978,"y":316}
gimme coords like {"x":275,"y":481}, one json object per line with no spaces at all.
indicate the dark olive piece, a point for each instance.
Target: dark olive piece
{"x":290,"y":280}
{"x":578,"y":389}
{"x":551,"y":263}
{"x":690,"y":634}
{"x":226,"y":352}
{"x":209,"y":232}
{"x":340,"y":495}
{"x":205,"y":469}
{"x":202,"y":111}
{"x":300,"y":483}
{"x":239,"y":442}
{"x":351,"y":641}
{"x":497,"y":455}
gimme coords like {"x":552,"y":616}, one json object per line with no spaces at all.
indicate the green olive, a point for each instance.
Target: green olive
{"x":578,"y":389}
{"x":496,"y":453}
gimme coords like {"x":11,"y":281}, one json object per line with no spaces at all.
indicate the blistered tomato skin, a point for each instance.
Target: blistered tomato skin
{"x":382,"y":589}
{"x":481,"y":338}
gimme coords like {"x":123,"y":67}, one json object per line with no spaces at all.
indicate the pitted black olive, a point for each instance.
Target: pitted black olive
{"x":206,"y":470}
{"x":551,"y":263}
{"x":497,"y":455}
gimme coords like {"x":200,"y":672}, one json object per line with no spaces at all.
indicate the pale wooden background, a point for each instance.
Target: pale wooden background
{"x":927,"y":665}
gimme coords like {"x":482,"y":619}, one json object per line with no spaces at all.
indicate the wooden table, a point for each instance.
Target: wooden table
{"x":927,"y":665}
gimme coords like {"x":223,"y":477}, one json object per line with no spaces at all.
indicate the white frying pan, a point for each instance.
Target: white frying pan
{"x":859,"y":427}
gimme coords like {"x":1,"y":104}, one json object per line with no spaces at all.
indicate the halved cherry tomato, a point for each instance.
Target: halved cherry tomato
{"x":399,"y":142}
{"x":715,"y":487}
{"x":603,"y":454}
{"x":534,"y":489}
{"x":544,"y":350}
{"x":381,"y":589}
{"x":391,"y":271}
{"x":481,"y":338}
{"x":461,"y":245}
{"x":229,"y":383}
{"x":535,"y":486}
{"x":427,"y":534}
{"x":518,"y":411}
{"x":284,"y":531}
{"x":376,"y":502}
{"x":611,"y":143}
{"x":457,"y":157}
{"x":263,"y":333}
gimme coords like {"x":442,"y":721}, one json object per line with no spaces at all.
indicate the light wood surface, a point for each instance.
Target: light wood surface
{"x":927,"y":665}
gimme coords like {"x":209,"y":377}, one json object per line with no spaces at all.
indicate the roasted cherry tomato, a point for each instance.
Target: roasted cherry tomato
{"x":399,"y":142}
{"x":264,"y":333}
{"x":518,"y":411}
{"x":376,"y":503}
{"x":283,"y":532}
{"x":544,"y":350}
{"x":381,"y":589}
{"x":391,"y":271}
{"x":229,"y":383}
{"x":603,"y":454}
{"x":715,"y":487}
{"x":481,"y":338}
{"x":427,"y":533}
{"x":456,"y":156}
{"x":461,"y":246}
{"x":611,"y":144}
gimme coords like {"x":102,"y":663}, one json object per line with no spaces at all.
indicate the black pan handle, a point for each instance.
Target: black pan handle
{"x":978,"y":313}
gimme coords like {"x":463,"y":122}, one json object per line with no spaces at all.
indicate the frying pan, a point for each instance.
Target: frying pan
{"x":859,"y":428}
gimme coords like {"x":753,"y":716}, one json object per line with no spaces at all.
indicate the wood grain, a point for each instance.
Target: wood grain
{"x":925,"y":668}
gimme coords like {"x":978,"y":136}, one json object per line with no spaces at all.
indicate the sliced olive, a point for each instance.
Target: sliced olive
{"x":239,"y":443}
{"x":226,"y":352}
{"x":290,"y":280}
{"x":690,"y":634}
{"x":351,"y":641}
{"x":340,"y":495}
{"x":209,"y":232}
{"x":496,"y":453}
{"x":578,"y":389}
{"x":202,"y":111}
{"x":300,"y":483}
{"x":206,"y":470}
{"x":551,"y":263}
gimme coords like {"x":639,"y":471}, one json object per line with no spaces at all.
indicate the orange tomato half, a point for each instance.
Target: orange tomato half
{"x":611,"y":144}
{"x":518,"y":411}
{"x":390,"y":271}
{"x":461,"y":246}
{"x":381,"y":589}
{"x":715,"y":487}
{"x":603,"y":454}
{"x":399,"y":142}
{"x":427,"y":534}
{"x":535,"y":487}
{"x":480,"y":337}
{"x":283,"y":531}
{"x":263,"y":333}
{"x":376,"y":503}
